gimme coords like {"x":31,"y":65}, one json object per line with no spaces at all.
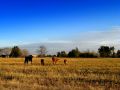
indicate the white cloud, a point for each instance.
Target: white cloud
{"x":91,"y":40}
{"x":84,"y":41}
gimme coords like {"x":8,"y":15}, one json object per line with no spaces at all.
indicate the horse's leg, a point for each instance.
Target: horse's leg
{"x":26,"y":62}
{"x":53,"y":62}
{"x":31,"y":61}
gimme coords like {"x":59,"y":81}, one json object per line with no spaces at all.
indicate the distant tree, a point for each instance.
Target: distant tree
{"x":74,"y":53}
{"x":49,"y":55}
{"x":5,"y":51}
{"x":88,"y":54}
{"x":0,"y":51}
{"x":16,"y":52}
{"x":42,"y":51}
{"x":106,"y":51}
{"x":112,"y":49}
{"x":58,"y":54}
{"x":118,"y":53}
{"x":24,"y":52}
{"x":62,"y":54}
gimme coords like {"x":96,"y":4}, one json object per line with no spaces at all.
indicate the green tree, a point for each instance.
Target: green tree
{"x":58,"y":54}
{"x":106,"y":51}
{"x":88,"y":54}
{"x":118,"y":53}
{"x":74,"y":53}
{"x":62,"y":54}
{"x":16,"y":52}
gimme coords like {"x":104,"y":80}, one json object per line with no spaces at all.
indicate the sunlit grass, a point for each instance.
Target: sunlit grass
{"x":78,"y":74}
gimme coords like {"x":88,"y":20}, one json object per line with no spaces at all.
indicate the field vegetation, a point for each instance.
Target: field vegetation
{"x":78,"y":74}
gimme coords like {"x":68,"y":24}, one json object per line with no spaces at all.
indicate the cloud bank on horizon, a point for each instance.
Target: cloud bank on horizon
{"x":84,"y":41}
{"x":90,"y":40}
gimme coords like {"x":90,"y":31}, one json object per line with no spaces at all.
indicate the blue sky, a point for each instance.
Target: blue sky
{"x":35,"y":21}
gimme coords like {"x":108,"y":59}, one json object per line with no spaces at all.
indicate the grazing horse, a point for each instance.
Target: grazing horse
{"x":54,"y":60}
{"x":65,"y":61}
{"x":28,"y":58}
{"x":42,"y":62}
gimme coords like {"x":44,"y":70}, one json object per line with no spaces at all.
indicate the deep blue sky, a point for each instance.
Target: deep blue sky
{"x":34,"y":21}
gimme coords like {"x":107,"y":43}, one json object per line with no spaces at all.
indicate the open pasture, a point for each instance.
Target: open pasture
{"x":78,"y":74}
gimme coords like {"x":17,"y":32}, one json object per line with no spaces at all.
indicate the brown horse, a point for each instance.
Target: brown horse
{"x":65,"y":61}
{"x":54,"y":60}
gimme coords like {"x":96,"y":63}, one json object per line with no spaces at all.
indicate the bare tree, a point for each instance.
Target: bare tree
{"x":1,"y":51}
{"x":42,"y":51}
{"x":25,"y":52}
{"x":5,"y":51}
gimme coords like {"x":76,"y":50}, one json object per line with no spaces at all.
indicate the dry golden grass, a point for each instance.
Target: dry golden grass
{"x":78,"y":74}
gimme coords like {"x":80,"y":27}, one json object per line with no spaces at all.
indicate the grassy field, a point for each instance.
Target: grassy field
{"x":78,"y":74}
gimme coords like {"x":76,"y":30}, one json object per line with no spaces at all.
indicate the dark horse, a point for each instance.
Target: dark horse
{"x":42,"y":62}
{"x":28,"y":58}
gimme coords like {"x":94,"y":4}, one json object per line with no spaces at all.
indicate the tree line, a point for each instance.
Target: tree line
{"x":103,"y":51}
{"x":13,"y":52}
{"x":17,"y":52}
